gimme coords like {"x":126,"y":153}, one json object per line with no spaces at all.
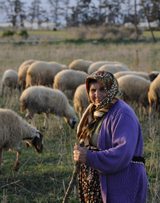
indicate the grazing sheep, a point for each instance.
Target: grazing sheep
{"x":80,"y":64}
{"x":139,"y":73}
{"x":80,"y":100}
{"x":134,"y":89}
{"x":13,"y":130}
{"x":113,"y":67}
{"x":68,"y":80}
{"x":96,"y":65}
{"x":22,"y":71}
{"x":43,"y":73}
{"x":9,"y":81}
{"x":154,"y":94}
{"x":41,"y":99}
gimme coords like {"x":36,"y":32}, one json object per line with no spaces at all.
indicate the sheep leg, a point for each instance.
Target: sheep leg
{"x":17,"y":162}
{"x":45,"y":123}
{"x":30,"y":117}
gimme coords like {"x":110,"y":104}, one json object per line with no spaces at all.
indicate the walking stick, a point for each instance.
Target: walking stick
{"x":71,"y":183}
{"x":73,"y":179}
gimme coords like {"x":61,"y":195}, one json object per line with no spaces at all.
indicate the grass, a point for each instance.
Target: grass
{"x":43,"y":178}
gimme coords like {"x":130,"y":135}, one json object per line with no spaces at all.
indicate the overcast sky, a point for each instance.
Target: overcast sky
{"x":27,"y":3}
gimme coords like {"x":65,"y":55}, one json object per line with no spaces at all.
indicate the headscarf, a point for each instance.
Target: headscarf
{"x":110,"y":83}
{"x":93,"y":114}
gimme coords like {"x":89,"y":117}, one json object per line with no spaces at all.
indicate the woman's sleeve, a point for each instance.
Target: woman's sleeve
{"x":124,"y":135}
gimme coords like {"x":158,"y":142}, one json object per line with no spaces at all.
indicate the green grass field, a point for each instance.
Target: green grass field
{"x":43,"y":178}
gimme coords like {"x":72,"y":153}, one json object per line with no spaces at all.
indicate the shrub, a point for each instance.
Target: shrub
{"x":8,"y":33}
{"x":24,"y":34}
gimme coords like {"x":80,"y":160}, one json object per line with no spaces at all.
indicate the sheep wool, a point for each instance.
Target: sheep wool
{"x":96,"y":65}
{"x":13,"y":130}
{"x":80,"y":100}
{"x":138,"y":73}
{"x":80,"y":64}
{"x":22,"y":71}
{"x":43,"y":73}
{"x":41,"y":99}
{"x":9,"y":81}
{"x":113,"y":67}
{"x":68,"y":80}
{"x":134,"y":89}
{"x":154,"y":95}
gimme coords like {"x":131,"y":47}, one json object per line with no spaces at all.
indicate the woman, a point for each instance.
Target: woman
{"x":112,"y":168}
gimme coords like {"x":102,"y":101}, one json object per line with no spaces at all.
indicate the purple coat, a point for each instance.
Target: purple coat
{"x":120,"y":138}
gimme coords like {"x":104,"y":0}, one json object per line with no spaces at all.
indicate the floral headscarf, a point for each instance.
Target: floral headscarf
{"x":93,"y":113}
{"x":110,"y":83}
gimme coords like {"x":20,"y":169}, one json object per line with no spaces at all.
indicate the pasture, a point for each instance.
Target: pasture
{"x":43,"y":178}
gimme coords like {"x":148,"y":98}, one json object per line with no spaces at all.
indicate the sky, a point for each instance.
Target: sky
{"x":28,"y":2}
{"x":44,"y":3}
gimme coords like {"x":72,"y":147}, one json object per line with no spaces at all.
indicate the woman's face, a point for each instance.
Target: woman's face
{"x":97,"y":92}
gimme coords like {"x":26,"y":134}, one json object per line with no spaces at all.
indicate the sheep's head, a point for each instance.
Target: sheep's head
{"x":36,"y":141}
{"x":72,"y":122}
{"x":70,"y":116}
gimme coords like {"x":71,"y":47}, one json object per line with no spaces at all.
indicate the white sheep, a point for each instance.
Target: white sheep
{"x":41,"y":99}
{"x":68,"y":80}
{"x":154,"y":95}
{"x":139,"y":73}
{"x":9,"y":81}
{"x":43,"y":73}
{"x":134,"y":89}
{"x":80,"y":64}
{"x":13,"y":130}
{"x":113,"y":67}
{"x":22,"y":71}
{"x":96,"y":65}
{"x":80,"y":100}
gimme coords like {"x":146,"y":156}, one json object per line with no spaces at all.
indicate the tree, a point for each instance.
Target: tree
{"x":15,"y":12}
{"x":85,"y":13}
{"x":113,"y":10}
{"x":66,"y":9}
{"x":152,"y":9}
{"x":57,"y":12}
{"x":37,"y":13}
{"x":146,"y":9}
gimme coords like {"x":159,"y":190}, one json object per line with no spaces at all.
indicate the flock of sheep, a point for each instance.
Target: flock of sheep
{"x":51,"y":87}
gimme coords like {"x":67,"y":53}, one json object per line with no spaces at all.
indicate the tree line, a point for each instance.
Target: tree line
{"x":82,"y":12}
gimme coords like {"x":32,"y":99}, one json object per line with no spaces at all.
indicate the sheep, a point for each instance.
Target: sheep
{"x":68,"y":80}
{"x":13,"y":130}
{"x":9,"y":81}
{"x":43,"y":73}
{"x":134,"y":89}
{"x":80,"y":64}
{"x":41,"y":99}
{"x":113,"y":67}
{"x":154,"y":95}
{"x":96,"y":65}
{"x":80,"y":100}
{"x":139,"y":73}
{"x":22,"y":71}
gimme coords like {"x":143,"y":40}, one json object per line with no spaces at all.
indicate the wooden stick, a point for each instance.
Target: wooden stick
{"x":73,"y":178}
{"x":71,"y":183}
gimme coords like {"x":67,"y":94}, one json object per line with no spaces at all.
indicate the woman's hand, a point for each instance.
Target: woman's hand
{"x":80,"y":153}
